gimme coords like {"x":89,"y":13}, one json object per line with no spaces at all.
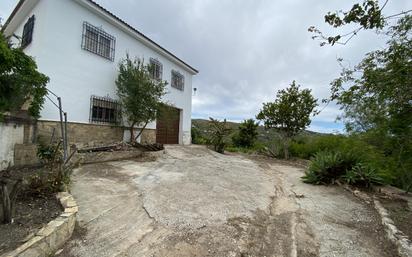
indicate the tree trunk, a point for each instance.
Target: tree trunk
{"x":8,"y":200}
{"x":286,"y":147}
{"x":132,"y":139}
{"x":141,"y":131}
{"x":286,"y":152}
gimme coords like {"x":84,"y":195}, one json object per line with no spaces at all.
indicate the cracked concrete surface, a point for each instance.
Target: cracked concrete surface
{"x":194,"y":202}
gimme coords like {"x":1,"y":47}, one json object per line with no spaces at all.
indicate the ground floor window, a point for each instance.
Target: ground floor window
{"x":104,"y":110}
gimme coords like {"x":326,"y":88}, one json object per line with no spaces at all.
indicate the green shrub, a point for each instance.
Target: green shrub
{"x":197,"y":137}
{"x":325,"y":168}
{"x":55,"y":176}
{"x":246,"y":135}
{"x":329,"y":167}
{"x":362,"y":175}
{"x":218,"y":132}
{"x":256,"y":148}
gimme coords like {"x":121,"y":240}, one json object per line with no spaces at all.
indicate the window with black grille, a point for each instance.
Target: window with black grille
{"x":27,"y":36}
{"x":178,"y":80}
{"x":97,"y":41}
{"x":104,"y":110}
{"x":156,"y":69}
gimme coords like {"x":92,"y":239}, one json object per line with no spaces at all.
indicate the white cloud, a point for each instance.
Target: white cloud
{"x":247,"y":50}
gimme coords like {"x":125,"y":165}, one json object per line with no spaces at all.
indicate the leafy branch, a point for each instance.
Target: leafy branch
{"x":368,"y":15}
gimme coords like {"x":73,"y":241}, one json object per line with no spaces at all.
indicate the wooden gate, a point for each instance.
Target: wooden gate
{"x":167,"y":126}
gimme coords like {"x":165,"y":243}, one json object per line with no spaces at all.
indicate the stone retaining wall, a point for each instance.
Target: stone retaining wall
{"x":52,"y":236}
{"x":81,"y":134}
{"x":397,"y":237}
{"x":89,"y":135}
{"x":402,"y":242}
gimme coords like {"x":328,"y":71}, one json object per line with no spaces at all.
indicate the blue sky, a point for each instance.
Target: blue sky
{"x":247,"y":50}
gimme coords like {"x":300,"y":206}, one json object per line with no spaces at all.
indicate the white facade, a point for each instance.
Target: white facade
{"x":76,"y":74}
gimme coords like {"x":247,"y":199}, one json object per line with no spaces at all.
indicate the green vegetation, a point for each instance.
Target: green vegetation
{"x":218,"y":135}
{"x":246,"y":135}
{"x":289,"y":114}
{"x":375,"y":97}
{"x":20,"y":81}
{"x":139,"y":94}
{"x":54,"y":176}
{"x":331,"y":167}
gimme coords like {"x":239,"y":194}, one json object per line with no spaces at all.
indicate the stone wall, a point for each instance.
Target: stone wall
{"x":10,"y":134}
{"x":25,"y":155}
{"x":148,"y":136}
{"x":52,"y":236}
{"x":83,"y":135}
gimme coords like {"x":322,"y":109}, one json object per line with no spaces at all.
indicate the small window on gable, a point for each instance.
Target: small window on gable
{"x":27,"y":36}
{"x":97,"y":41}
{"x":104,"y":110}
{"x":156,"y":69}
{"x":178,"y":80}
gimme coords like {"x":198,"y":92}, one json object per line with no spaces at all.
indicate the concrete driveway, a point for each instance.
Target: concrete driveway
{"x":194,"y":202}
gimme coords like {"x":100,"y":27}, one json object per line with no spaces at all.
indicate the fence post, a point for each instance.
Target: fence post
{"x":62,"y":128}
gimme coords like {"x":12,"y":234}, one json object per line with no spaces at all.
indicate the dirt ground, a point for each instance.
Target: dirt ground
{"x":401,"y":213}
{"x":32,"y":212}
{"x":194,"y":202}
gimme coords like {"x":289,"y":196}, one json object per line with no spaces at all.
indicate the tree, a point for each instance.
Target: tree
{"x":218,"y":132}
{"x":289,"y":114}
{"x":20,"y":81}
{"x":139,"y":94}
{"x":376,"y":97}
{"x":247,"y":134}
{"x":368,"y":15}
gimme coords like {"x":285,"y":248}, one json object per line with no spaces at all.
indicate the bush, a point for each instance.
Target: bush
{"x":362,"y":175}
{"x":55,"y":176}
{"x":329,"y":167}
{"x":307,"y":146}
{"x":197,"y":137}
{"x":218,"y":132}
{"x":257,"y":148}
{"x":246,"y":135}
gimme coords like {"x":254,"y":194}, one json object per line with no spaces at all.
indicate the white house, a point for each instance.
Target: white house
{"x":79,"y":45}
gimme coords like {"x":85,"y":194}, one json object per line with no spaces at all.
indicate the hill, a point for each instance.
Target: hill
{"x":264,"y":135}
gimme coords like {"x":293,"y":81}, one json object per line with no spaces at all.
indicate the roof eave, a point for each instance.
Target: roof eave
{"x":139,"y":35}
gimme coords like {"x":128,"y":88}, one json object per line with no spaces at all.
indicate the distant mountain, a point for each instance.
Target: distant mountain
{"x":264,"y":135}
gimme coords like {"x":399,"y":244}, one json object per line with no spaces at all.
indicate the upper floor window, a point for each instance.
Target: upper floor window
{"x":178,"y":80}
{"x":156,"y":69}
{"x":27,"y":32}
{"x":97,"y":41}
{"x":104,"y":110}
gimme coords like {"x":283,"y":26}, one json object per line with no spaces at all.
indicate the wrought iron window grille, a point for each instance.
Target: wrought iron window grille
{"x":156,"y":69}
{"x":178,"y":80}
{"x":104,"y":110}
{"x":97,"y":41}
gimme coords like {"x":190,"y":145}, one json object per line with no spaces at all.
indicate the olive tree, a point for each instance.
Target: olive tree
{"x":289,"y":114}
{"x":140,"y":95}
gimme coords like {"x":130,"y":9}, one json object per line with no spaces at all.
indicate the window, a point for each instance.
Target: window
{"x":97,"y":41}
{"x":178,"y":80}
{"x":104,"y":110}
{"x":156,"y":69}
{"x":27,"y":32}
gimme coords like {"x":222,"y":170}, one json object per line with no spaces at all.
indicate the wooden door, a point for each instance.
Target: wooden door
{"x":167,"y":126}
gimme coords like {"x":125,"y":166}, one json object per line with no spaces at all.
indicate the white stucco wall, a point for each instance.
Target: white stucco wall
{"x":76,"y":74}
{"x":10,"y":134}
